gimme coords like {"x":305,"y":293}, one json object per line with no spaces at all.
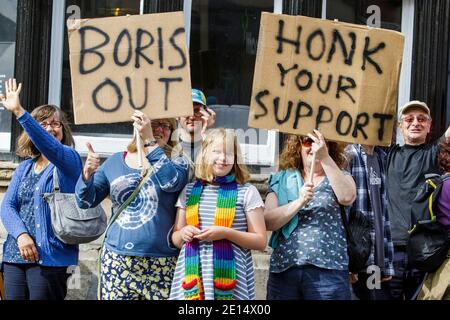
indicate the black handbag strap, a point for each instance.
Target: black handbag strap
{"x":343,"y":217}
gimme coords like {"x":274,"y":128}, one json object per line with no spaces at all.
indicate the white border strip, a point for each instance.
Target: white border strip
{"x":56,"y":52}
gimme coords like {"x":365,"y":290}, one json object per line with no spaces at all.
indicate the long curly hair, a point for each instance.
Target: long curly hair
{"x":291,"y":155}
{"x":444,"y":155}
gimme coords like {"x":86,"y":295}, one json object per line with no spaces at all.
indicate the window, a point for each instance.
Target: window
{"x":8,"y":19}
{"x":223,"y":44}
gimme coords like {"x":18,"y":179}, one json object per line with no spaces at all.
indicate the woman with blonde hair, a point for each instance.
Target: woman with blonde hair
{"x":138,"y":260}
{"x":219,"y":220}
{"x":34,"y":261}
{"x":309,"y":260}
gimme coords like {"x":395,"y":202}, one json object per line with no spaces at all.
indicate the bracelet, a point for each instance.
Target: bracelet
{"x":151,"y":143}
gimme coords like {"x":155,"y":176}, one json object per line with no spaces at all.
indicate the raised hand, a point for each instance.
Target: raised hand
{"x":208,"y":120}
{"x":319,"y":146}
{"x":11,"y":100}
{"x":92,"y":163}
{"x":143,"y":125}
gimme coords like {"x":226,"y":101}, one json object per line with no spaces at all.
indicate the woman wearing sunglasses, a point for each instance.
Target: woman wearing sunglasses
{"x":309,"y":260}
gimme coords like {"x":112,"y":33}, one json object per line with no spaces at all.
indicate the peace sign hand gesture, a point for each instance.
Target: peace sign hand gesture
{"x":12,"y":101}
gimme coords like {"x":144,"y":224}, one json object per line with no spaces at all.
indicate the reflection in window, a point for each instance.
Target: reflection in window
{"x":93,"y":9}
{"x":8,"y":19}
{"x":223,"y":46}
{"x":355,"y":11}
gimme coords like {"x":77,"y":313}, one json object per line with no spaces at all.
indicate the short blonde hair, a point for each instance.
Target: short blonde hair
{"x":204,"y":169}
{"x":171,"y":149}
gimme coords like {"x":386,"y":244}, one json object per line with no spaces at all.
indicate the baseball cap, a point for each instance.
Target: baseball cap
{"x":198,"y":97}
{"x":414,"y":104}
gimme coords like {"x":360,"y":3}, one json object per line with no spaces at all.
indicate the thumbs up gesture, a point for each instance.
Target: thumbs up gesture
{"x":92,"y":163}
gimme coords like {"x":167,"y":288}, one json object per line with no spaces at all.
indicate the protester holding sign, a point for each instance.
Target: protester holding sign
{"x":219,"y":220}
{"x":406,"y":169}
{"x":193,"y":128}
{"x":368,"y":168}
{"x":309,"y":260}
{"x":34,"y":261}
{"x":138,"y":259}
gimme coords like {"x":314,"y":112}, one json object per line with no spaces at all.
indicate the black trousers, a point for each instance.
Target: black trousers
{"x":34,"y":282}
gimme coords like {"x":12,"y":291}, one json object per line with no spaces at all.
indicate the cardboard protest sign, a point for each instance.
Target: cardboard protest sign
{"x":341,"y":78}
{"x":122,"y":64}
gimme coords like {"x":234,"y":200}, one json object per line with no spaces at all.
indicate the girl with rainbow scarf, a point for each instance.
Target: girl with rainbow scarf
{"x":219,"y":220}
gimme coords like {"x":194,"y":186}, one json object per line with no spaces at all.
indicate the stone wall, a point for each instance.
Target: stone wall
{"x":83,"y":284}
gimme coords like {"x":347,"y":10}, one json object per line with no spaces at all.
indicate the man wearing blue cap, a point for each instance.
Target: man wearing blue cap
{"x":193,"y":128}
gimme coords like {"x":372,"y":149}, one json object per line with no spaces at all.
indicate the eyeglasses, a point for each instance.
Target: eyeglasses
{"x":54,"y":124}
{"x":420,"y":119}
{"x":307,"y":142}
{"x":164,"y":126}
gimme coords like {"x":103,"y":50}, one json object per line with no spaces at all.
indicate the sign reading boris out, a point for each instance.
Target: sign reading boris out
{"x":122,"y":64}
{"x":340,"y":78}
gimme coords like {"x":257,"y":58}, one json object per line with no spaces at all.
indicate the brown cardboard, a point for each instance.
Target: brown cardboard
{"x":374,"y":94}
{"x":102,"y":95}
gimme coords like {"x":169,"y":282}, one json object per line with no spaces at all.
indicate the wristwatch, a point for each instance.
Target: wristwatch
{"x":150,"y":143}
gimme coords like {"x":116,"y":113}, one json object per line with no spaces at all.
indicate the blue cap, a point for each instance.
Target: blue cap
{"x":198,"y":97}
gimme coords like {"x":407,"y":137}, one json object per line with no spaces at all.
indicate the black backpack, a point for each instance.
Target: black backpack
{"x":429,"y":241}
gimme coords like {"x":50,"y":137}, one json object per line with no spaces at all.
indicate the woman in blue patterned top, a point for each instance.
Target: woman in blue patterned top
{"x":34,"y":261}
{"x":309,"y":260}
{"x":138,"y":259}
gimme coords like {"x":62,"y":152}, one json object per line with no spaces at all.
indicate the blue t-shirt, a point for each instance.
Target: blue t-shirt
{"x":144,"y":227}
{"x":319,"y":238}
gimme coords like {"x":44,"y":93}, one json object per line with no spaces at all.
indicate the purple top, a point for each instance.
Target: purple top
{"x":443,"y":215}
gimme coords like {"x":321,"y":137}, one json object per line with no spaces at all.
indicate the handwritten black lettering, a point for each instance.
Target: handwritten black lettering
{"x":276,"y":105}
{"x":361,"y":121}
{"x":309,"y":82}
{"x":282,"y":40}
{"x":311,"y":37}
{"x":178,"y":49}
{"x":283,"y":71}
{"x":115,"y":87}
{"x":340,"y":119}
{"x":139,"y":47}
{"x":84,"y":51}
{"x":320,"y":116}
{"x":383,"y":118}
{"x":368,"y":52}
{"x":330,"y":78}
{"x":298,"y":113}
{"x":130,"y":94}
{"x":348,"y":57}
{"x":167,"y":82}
{"x":128,"y":46}
{"x":343,"y":88}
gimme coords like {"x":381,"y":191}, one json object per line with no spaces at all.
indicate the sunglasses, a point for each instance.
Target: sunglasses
{"x":307,"y":142}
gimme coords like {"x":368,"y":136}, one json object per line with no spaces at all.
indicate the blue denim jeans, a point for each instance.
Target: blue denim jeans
{"x":309,"y":283}
{"x":34,"y":282}
{"x":406,"y":281}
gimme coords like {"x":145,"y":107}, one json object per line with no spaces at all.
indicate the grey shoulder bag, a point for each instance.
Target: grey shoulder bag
{"x":71,"y":224}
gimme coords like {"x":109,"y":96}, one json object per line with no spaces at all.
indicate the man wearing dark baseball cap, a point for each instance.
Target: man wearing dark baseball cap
{"x":194,"y":127}
{"x":407,"y":166}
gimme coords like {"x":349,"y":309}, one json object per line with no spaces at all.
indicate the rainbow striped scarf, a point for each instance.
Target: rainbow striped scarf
{"x":223,"y":255}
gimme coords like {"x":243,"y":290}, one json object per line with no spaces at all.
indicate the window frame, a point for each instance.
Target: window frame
{"x":259,"y":154}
